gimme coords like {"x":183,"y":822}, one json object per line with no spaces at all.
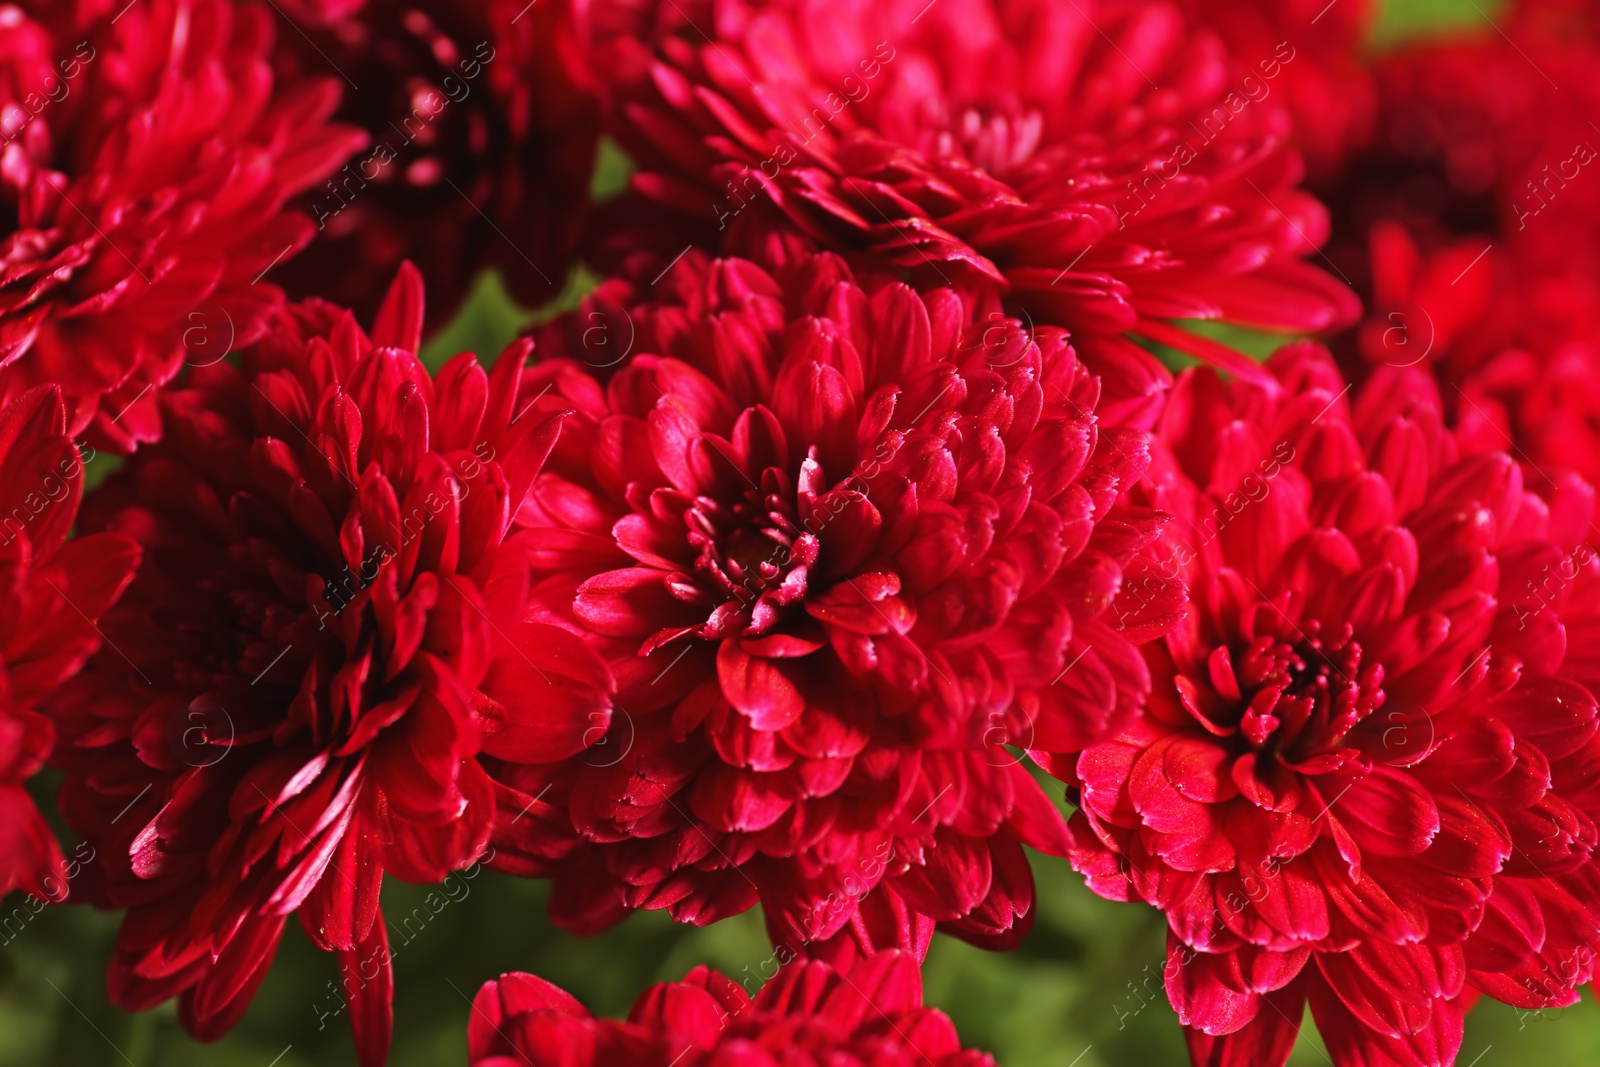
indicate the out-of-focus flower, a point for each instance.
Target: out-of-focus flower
{"x":1515,"y":352}
{"x":836,"y":542}
{"x":143,"y":176}
{"x":868,"y":1014}
{"x":1329,"y":88}
{"x":1364,"y":778}
{"x":1490,"y":132}
{"x":330,"y":589}
{"x":1105,"y":161}
{"x":54,"y":590}
{"x":1481,"y":245}
{"x":484,"y":122}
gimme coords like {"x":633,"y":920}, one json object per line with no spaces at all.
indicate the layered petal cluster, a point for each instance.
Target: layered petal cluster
{"x":293,"y":708}
{"x":147,"y":159}
{"x":1365,"y":778}
{"x":1329,"y":89}
{"x":866,"y":1014}
{"x":54,"y":591}
{"x":484,"y":123}
{"x":1106,"y":161}
{"x":834,"y":543}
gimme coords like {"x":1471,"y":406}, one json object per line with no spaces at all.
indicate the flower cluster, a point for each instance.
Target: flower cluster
{"x":833,"y":543}
{"x":330,"y":594}
{"x":1361,"y":779}
{"x":887,"y":446}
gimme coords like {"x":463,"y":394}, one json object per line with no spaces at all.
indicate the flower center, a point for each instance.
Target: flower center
{"x":1306,"y":690}
{"x":754,"y":556}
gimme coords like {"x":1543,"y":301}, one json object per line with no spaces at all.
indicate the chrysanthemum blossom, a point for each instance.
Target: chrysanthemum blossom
{"x":1103,"y":160}
{"x":1489,"y":131}
{"x":330,"y":589}
{"x":867,"y":1014}
{"x":54,"y":591}
{"x":1483,"y":245}
{"x":834,"y":543}
{"x":1364,"y":779}
{"x":484,"y":121}
{"x":144,"y":166}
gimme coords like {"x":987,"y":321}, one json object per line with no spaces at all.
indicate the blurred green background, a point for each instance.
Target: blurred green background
{"x":1083,"y":991}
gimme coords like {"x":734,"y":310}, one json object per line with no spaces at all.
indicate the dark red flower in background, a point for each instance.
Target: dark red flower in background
{"x":1474,"y":224}
{"x":53,"y":591}
{"x":869,"y":1014}
{"x":330,"y":585}
{"x":1490,"y":131}
{"x":484,"y":122}
{"x":1515,"y":351}
{"x":1104,"y":160}
{"x":833,"y":542}
{"x":1364,"y":778}
{"x":1328,"y":86}
{"x":143,"y":178}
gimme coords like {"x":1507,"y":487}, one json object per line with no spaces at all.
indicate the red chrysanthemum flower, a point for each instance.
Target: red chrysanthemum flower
{"x":54,"y":591}
{"x":1515,"y":351}
{"x":1365,"y":777}
{"x":1104,"y":160}
{"x":1483,"y":247}
{"x":833,"y":543}
{"x":143,"y":175}
{"x":330,"y":587}
{"x":1328,"y":87}
{"x":867,"y":1014}
{"x":484,"y":123}
{"x":1490,"y":132}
